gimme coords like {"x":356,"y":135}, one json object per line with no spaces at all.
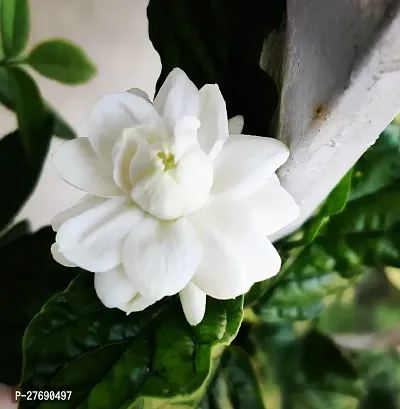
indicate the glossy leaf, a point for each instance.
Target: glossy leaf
{"x":14,"y":26}
{"x":334,"y":204}
{"x":110,"y":360}
{"x":378,"y":168}
{"x":61,"y":128}
{"x":62,"y":61}
{"x":226,"y":50}
{"x":29,"y":277}
{"x":243,"y":387}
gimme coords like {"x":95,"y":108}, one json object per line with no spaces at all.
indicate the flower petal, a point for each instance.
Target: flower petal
{"x":193,"y":303}
{"x":245,"y":162}
{"x":235,"y":125}
{"x":235,"y":253}
{"x":139,"y":303}
{"x":272,"y":208}
{"x":93,"y":239}
{"x":78,"y":165}
{"x":178,"y":97}
{"x":114,"y":288}
{"x":213,"y":131}
{"x":112,"y":114}
{"x":161,"y":257}
{"x":59,"y":257}
{"x":139,"y":93}
{"x":177,"y":192}
{"x":87,"y":202}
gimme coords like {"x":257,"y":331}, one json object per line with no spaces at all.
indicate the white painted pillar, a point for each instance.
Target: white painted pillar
{"x":340,"y":89}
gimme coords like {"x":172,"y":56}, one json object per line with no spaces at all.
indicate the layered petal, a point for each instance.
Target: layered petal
{"x":55,"y":252}
{"x":139,"y":303}
{"x":86,"y":203}
{"x":77,"y":163}
{"x":177,"y":97}
{"x":161,"y":257}
{"x":245,"y":163}
{"x":235,"y":253}
{"x":179,"y":191}
{"x":213,"y":131}
{"x":272,"y":207}
{"x":235,"y":125}
{"x":114,"y":113}
{"x":114,"y":288}
{"x":193,"y":303}
{"x":93,"y":238}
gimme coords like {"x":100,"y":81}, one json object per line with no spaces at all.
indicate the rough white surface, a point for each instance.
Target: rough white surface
{"x":341,"y":88}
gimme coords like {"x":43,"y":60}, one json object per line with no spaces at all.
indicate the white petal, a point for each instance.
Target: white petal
{"x":87,"y":202}
{"x":93,"y":239}
{"x":139,"y":93}
{"x":131,"y":158}
{"x":112,"y":114}
{"x":177,"y":192}
{"x":213,"y":131}
{"x":78,"y":165}
{"x":193,"y":303}
{"x":272,"y":208}
{"x":59,"y":257}
{"x":161,"y":257}
{"x":235,"y":253}
{"x":139,"y":303}
{"x":185,"y":136}
{"x":235,"y":125}
{"x":178,"y":97}
{"x":245,"y":163}
{"x":114,"y":288}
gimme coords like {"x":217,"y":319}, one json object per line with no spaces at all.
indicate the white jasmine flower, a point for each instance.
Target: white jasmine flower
{"x":178,"y":200}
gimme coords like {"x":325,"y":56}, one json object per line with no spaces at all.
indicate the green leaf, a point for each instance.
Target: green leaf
{"x":311,"y":371}
{"x":220,"y":42}
{"x":378,"y":168}
{"x":61,"y":128}
{"x":14,"y":26}
{"x":324,"y":268}
{"x":244,"y":389}
{"x":18,"y":174}
{"x":62,"y":61}
{"x":110,"y":360}
{"x":334,"y":204}
{"x":31,"y":114}
{"x":29,"y":277}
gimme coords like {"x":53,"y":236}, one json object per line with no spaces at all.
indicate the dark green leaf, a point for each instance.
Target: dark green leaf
{"x":29,"y":277}
{"x":18,"y":175}
{"x":311,"y":371}
{"x":378,"y":168}
{"x":244,"y":389}
{"x":110,"y":360}
{"x":220,"y":42}
{"x":31,"y":114}
{"x":327,"y":265}
{"x":373,"y":213}
{"x":334,"y":204}
{"x":60,"y":129}
{"x":62,"y":61}
{"x":20,"y":229}
{"x":14,"y":26}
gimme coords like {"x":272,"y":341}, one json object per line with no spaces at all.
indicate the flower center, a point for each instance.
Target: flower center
{"x":167,"y":160}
